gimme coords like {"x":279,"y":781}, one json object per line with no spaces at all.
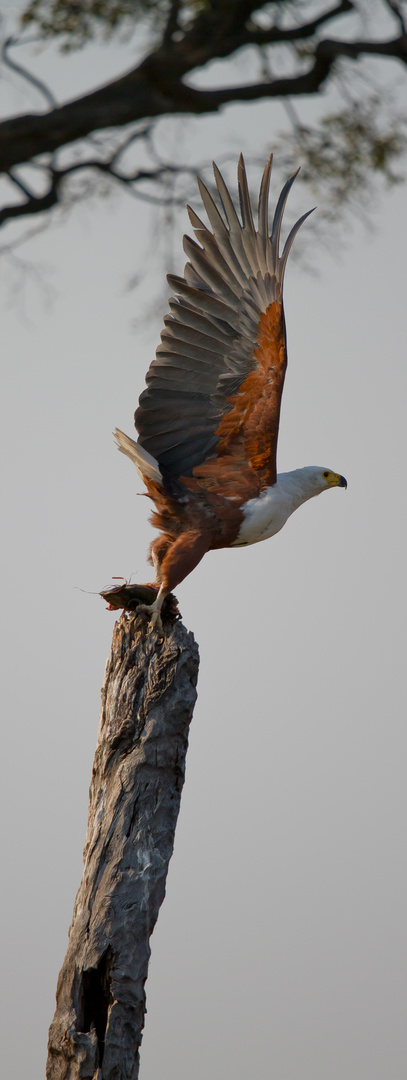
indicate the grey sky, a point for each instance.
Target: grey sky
{"x":280,"y":948}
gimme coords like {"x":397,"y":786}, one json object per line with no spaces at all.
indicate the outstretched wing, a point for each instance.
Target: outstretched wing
{"x":211,"y":409}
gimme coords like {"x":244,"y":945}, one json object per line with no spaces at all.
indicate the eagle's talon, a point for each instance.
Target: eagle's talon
{"x":143,"y":611}
{"x":156,"y":624}
{"x":149,"y":611}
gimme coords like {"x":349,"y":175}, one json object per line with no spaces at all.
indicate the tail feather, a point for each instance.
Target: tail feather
{"x":145,"y":463}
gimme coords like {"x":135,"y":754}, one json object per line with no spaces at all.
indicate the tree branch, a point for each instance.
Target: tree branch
{"x":138,"y":774}
{"x":395,"y":8}
{"x":172,"y":21}
{"x":331,"y":49}
{"x":34,"y":204}
{"x":153,"y":90}
{"x":157,"y":87}
{"x":274,"y":34}
{"x":20,"y":70}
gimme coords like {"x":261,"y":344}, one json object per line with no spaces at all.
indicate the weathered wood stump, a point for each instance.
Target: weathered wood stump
{"x":148,"y":698}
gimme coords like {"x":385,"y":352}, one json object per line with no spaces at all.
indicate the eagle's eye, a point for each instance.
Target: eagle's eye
{"x":326,"y":473}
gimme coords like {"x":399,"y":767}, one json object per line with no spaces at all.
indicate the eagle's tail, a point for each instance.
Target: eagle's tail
{"x":145,"y":463}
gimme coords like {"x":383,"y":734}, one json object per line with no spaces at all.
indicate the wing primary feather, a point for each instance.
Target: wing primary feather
{"x":217,"y":242}
{"x":289,"y":242}
{"x":244,"y":196}
{"x":198,"y":321}
{"x":277,"y":220}
{"x":215,"y":218}
{"x":262,"y":237}
{"x":218,"y":254}
{"x":190,"y":331}
{"x":263,"y":212}
{"x":236,"y":233}
{"x":230,"y":212}
{"x":205,"y":300}
{"x":208,"y":272}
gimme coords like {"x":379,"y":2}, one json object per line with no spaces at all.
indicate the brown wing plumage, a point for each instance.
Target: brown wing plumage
{"x":211,"y":409}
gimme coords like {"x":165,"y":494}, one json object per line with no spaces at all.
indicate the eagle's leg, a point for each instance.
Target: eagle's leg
{"x":179,"y":557}
{"x":158,"y":551}
{"x":154,"y":611}
{"x":156,"y":565}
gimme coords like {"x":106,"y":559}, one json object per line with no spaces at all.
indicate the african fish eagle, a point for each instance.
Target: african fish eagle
{"x":208,"y":421}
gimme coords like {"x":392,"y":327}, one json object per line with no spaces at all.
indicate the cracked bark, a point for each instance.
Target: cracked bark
{"x":138,"y":773}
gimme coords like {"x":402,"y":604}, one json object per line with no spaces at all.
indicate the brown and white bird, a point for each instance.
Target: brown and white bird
{"x":208,"y":421}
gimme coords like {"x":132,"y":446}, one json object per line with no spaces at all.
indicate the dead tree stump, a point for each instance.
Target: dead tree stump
{"x":148,"y":698}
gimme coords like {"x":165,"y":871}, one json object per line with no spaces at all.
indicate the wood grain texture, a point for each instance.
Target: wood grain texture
{"x":138,"y":773}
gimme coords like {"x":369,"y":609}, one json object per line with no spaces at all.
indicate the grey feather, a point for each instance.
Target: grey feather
{"x":244,"y":197}
{"x":220,"y":230}
{"x":194,"y":321}
{"x":227,"y":288}
{"x":221,"y":234}
{"x":181,"y":332}
{"x":290,"y":240}
{"x":277,"y":221}
{"x":235,"y":228}
{"x":263,"y":211}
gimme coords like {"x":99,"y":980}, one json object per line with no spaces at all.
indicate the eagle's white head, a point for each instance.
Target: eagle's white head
{"x":315,"y":479}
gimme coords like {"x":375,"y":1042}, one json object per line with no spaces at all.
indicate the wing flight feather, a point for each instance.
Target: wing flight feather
{"x":210,"y":412}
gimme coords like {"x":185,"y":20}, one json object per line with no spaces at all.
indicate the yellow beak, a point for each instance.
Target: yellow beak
{"x":336,"y":480}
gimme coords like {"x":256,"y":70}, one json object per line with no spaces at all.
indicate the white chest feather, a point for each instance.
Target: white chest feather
{"x":263,"y":517}
{"x":266,"y":515}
